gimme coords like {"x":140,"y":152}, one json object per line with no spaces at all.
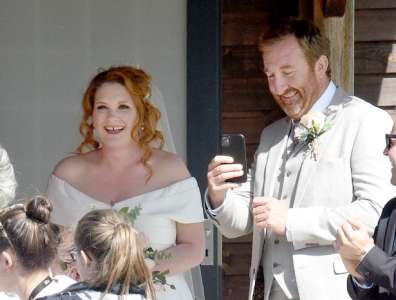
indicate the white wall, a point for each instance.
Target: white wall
{"x":49,"y":49}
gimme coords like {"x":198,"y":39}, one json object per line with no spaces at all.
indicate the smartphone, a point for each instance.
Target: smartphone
{"x":234,"y":145}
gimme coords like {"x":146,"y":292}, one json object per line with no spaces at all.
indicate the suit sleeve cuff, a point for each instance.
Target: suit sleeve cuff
{"x":363,"y":285}
{"x":370,"y":265}
{"x":213,"y":212}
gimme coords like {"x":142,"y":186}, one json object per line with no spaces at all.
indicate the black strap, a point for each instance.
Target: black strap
{"x":42,"y":285}
{"x":71,"y":292}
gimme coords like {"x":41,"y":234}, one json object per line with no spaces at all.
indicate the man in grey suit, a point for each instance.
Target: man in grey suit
{"x":314,"y":168}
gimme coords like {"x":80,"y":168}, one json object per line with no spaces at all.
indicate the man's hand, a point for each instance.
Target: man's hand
{"x":351,"y":265}
{"x":353,"y":241}
{"x":220,"y":169}
{"x":270,"y":213}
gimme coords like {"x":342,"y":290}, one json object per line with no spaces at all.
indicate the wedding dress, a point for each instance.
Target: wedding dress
{"x":160,"y":210}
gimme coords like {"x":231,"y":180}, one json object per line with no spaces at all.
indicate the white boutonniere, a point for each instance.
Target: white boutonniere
{"x":311,"y":126}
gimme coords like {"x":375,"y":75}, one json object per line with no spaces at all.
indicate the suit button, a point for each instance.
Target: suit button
{"x":288,"y":173}
{"x":276,"y":241}
{"x":275,"y":264}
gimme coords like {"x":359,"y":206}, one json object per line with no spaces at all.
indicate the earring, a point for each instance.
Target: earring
{"x":141,"y":131}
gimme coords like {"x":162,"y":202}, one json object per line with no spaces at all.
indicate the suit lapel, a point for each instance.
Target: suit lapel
{"x":309,"y":165}
{"x":274,"y":158}
{"x":269,"y":162}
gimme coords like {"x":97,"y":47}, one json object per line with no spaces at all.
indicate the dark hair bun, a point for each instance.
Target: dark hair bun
{"x":39,"y":209}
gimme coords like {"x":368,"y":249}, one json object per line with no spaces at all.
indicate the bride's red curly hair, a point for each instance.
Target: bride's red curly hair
{"x":138,"y":84}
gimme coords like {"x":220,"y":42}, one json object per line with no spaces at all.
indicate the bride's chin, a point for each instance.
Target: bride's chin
{"x":118,"y":144}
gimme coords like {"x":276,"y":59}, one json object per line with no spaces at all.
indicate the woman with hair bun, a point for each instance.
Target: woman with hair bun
{"x":28,"y":246}
{"x":109,"y":256}
{"x":120,"y":163}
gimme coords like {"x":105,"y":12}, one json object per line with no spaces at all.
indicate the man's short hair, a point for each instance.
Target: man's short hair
{"x":313,"y":43}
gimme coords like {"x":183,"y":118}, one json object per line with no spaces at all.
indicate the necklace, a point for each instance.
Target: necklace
{"x":42,"y":285}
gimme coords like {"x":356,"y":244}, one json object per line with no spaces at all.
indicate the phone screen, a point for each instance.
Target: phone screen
{"x":234,"y":145}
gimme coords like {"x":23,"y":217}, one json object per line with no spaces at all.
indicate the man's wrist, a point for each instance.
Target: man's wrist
{"x":366,"y":249}
{"x":215,"y":202}
{"x":212,"y":211}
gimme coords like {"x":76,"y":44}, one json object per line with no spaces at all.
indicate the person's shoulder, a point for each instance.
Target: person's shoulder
{"x":389,"y":207}
{"x":363,"y":110}
{"x":164,"y":162}
{"x":73,"y":165}
{"x":68,"y":166}
{"x":69,"y":293}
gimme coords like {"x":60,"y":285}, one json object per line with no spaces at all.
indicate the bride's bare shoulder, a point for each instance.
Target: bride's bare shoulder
{"x":74,"y":165}
{"x":172,"y":165}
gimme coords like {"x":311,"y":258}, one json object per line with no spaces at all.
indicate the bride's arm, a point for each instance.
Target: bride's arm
{"x":190,"y":240}
{"x":188,"y":252}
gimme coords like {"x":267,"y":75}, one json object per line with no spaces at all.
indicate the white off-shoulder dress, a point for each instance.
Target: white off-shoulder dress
{"x":161,"y":209}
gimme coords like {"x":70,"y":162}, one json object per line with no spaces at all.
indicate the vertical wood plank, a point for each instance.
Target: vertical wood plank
{"x":340,"y":31}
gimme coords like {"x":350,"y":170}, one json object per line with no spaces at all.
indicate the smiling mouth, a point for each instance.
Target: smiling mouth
{"x":114,"y":129}
{"x":289,"y":98}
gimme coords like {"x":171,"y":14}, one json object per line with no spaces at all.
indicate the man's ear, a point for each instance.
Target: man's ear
{"x":7,"y":260}
{"x":321,"y":66}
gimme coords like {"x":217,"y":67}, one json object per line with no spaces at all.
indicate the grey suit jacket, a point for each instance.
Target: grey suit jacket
{"x":350,"y":178}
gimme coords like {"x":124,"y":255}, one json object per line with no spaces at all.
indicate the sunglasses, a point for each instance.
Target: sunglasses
{"x":390,"y":140}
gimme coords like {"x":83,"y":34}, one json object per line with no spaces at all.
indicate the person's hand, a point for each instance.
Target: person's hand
{"x":353,"y":241}
{"x":270,"y":213}
{"x":220,"y":169}
{"x":72,"y":271}
{"x":351,"y":266}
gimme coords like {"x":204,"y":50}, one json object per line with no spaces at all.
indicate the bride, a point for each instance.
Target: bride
{"x":120,"y":164}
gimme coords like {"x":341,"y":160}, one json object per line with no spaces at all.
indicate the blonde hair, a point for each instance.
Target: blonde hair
{"x":117,"y":250}
{"x":26,"y":229}
{"x":7,"y":179}
{"x":138,"y":84}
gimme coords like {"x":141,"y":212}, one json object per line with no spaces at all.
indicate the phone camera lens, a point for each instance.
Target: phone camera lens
{"x":225,"y":141}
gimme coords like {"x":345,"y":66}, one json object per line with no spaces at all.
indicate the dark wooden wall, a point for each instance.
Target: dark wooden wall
{"x":375,"y":52}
